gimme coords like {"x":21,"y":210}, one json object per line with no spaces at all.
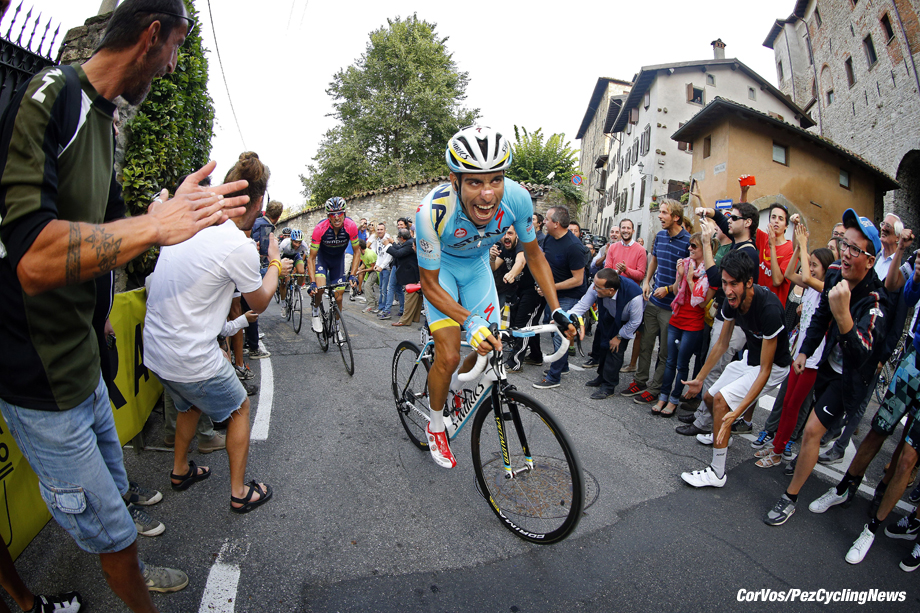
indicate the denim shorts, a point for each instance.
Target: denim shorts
{"x":81,"y":472}
{"x":217,"y":397}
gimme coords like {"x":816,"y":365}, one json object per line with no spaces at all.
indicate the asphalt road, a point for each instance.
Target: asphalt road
{"x":363,"y":521}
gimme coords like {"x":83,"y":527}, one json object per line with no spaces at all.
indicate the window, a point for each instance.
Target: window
{"x":830,"y":97}
{"x":635,"y":152}
{"x":752,"y":93}
{"x":886,"y":26}
{"x":779,"y":72}
{"x":780,"y":154}
{"x":646,"y":139}
{"x":711,"y":79}
{"x":707,"y":146}
{"x":871,"y":57}
{"x":647,"y":100}
{"x":848,"y":66}
{"x":844,"y":178}
{"x":633,"y":115}
{"x":632,"y":195}
{"x":694,"y":94}
{"x":817,"y":18}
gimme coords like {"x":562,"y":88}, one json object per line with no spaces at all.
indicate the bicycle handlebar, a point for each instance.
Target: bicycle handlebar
{"x":483,"y":360}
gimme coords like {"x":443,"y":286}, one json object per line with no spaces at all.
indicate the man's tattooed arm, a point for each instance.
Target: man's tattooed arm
{"x":73,"y":255}
{"x":106,"y":247}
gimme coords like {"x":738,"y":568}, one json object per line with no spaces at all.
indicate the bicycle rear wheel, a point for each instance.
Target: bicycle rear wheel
{"x":541,"y":498}
{"x":340,"y":338}
{"x":322,"y":335}
{"x":296,"y":308}
{"x":410,"y":390}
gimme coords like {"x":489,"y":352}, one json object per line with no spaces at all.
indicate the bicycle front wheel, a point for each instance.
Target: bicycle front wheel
{"x":540,"y":495}
{"x":410,"y":390}
{"x":340,"y":337}
{"x":297,"y":309}
{"x":884,"y":380}
{"x":322,"y":335}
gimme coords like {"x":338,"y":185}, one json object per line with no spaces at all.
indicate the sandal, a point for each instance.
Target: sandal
{"x":656,"y":410}
{"x":248,"y":503}
{"x":670,"y":413}
{"x":399,"y":323}
{"x":766,"y":452}
{"x":189,"y":478}
{"x":774,"y":459}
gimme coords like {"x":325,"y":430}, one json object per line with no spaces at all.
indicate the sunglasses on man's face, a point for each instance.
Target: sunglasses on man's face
{"x":735,"y":217}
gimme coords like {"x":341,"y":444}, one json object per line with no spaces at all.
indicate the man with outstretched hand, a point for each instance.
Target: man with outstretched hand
{"x":57,"y":186}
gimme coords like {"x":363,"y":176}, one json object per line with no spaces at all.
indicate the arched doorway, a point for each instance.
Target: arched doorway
{"x":907,"y":199}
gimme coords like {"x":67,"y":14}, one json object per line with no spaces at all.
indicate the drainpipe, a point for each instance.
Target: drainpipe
{"x":814,"y":70}
{"x":910,"y":52}
{"x":791,"y":69}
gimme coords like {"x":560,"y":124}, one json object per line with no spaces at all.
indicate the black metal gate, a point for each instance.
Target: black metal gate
{"x":18,"y":62}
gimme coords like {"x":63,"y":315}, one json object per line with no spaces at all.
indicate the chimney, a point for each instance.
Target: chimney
{"x":718,"y":49}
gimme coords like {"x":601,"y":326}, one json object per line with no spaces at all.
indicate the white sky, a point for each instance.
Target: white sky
{"x":527,"y":65}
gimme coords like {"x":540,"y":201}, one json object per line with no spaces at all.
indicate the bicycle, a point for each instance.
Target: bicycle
{"x":293,"y":302}
{"x":334,"y":329}
{"x":889,"y":368}
{"x":525,"y":464}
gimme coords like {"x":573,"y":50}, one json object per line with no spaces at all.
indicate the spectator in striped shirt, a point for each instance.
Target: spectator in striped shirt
{"x":671,"y":244}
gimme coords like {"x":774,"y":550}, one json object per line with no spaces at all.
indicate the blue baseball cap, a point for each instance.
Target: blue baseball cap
{"x":868,"y":229}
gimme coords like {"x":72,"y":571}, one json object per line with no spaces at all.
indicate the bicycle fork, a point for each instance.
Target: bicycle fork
{"x":510,"y":473}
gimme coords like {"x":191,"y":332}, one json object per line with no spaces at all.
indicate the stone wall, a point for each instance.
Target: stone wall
{"x":390,"y":203}
{"x":878,"y":116}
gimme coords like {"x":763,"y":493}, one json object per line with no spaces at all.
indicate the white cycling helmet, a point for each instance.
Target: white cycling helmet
{"x":336,"y":204}
{"x":478,"y":149}
{"x":296,"y":235}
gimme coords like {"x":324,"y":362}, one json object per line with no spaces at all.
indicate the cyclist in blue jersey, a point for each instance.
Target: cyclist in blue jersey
{"x":455,"y":226}
{"x":326,"y":263}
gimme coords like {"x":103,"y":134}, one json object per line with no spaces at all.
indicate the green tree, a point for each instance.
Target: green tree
{"x":545,"y":161}
{"x":170,"y":136}
{"x":397,"y":105}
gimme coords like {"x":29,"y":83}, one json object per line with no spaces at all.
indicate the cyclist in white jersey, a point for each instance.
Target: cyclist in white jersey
{"x":455,"y":226}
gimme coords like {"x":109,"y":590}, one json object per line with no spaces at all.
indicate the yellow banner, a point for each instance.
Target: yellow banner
{"x":22,"y":511}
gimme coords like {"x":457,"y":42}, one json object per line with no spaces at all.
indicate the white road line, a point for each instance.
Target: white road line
{"x":220,"y":591}
{"x":260,"y":424}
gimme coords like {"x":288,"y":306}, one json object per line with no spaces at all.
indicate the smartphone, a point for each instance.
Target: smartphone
{"x":692,"y":185}
{"x":748,"y":181}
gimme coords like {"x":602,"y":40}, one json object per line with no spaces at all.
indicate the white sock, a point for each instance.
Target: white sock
{"x":718,"y":461}
{"x":437,"y":421}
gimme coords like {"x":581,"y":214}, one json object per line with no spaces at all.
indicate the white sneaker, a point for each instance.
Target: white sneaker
{"x":704,"y":478}
{"x":439,"y":447}
{"x":828,"y":500}
{"x":283,"y":312}
{"x":861,"y":547}
{"x":317,"y":324}
{"x":706,"y":439}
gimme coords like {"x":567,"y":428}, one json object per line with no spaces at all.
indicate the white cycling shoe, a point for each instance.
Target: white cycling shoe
{"x":317,"y":324}
{"x":440,"y":448}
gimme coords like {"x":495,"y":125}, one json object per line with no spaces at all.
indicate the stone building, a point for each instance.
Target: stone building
{"x":388,"y":204}
{"x":606,"y":100}
{"x":807,"y":174}
{"x":853,"y":66}
{"x":644,"y":164}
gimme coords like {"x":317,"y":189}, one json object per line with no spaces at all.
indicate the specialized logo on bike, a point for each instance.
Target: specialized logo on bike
{"x":468,"y":400}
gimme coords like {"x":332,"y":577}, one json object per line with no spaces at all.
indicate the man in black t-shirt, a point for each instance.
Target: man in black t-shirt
{"x":759,"y":313}
{"x":507,"y":261}
{"x":566,"y":257}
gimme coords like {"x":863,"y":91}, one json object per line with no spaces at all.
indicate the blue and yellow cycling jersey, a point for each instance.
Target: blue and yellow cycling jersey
{"x":442,"y":226}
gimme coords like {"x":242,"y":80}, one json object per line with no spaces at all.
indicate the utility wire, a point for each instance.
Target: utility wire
{"x":290,"y":14}
{"x":224,"y":75}
{"x":306,"y":4}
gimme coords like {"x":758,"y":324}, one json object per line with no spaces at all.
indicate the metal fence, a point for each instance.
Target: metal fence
{"x":18,"y":61}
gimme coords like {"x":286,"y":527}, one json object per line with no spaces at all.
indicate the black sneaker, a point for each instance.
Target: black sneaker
{"x":763,"y":439}
{"x":690,"y":405}
{"x":595,"y":382}
{"x":912,"y":561}
{"x":906,"y":528}
{"x":590,"y":362}
{"x":914,"y":496}
{"x":687,"y":418}
{"x":742,"y":427}
{"x":789,"y":469}
{"x":251,"y":388}
{"x":533,"y":361}
{"x":140,"y":495}
{"x":71,"y":602}
{"x":602,"y":394}
{"x":780,"y":513}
